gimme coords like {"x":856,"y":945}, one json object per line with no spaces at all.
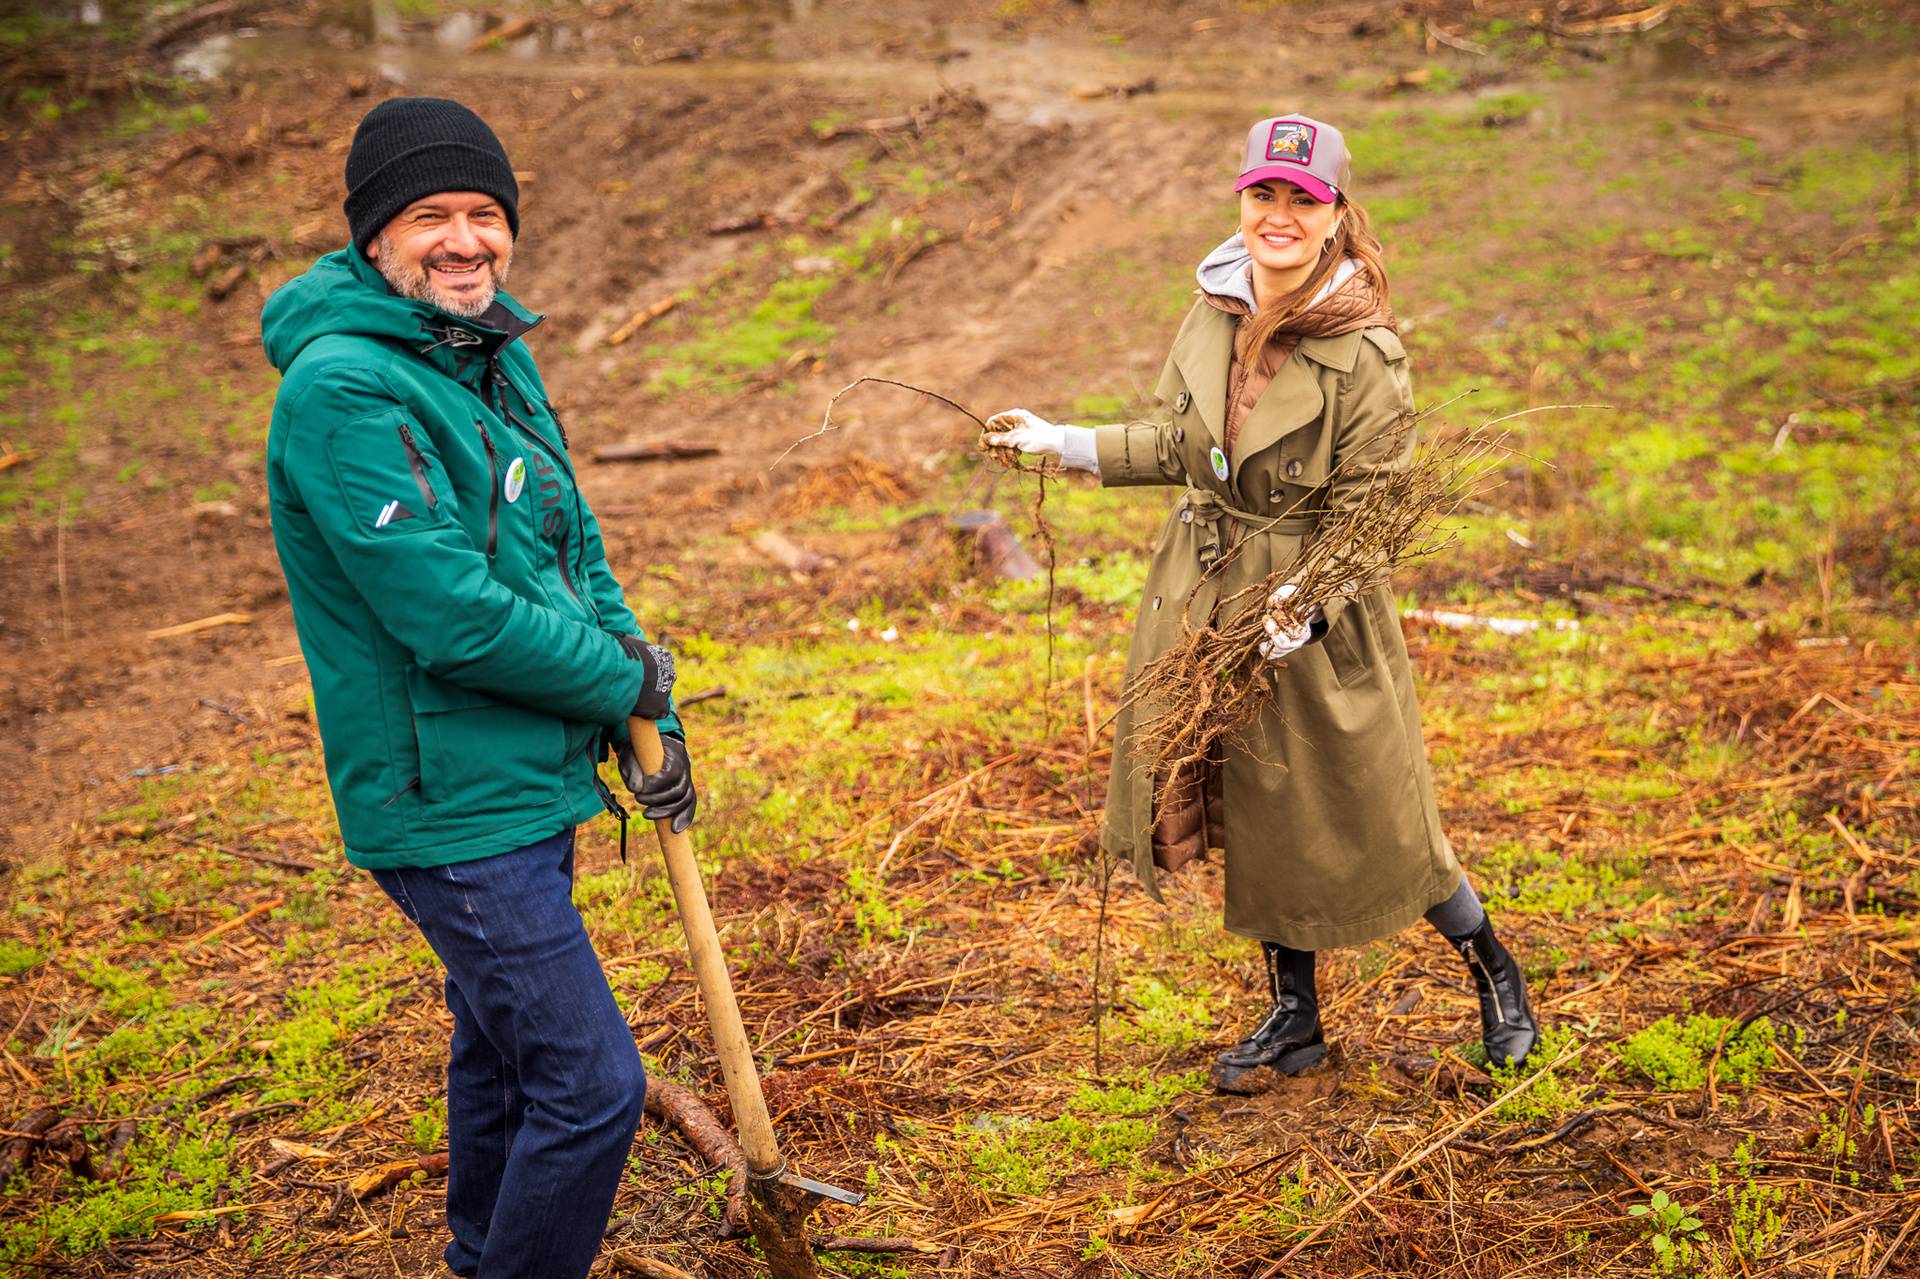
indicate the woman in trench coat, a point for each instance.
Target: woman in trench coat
{"x":1286,"y":387}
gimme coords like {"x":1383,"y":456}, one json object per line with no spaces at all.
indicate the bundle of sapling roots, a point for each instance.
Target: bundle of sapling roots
{"x":1211,"y":687}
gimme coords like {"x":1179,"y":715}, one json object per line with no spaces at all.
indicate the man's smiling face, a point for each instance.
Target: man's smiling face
{"x":450,"y":250}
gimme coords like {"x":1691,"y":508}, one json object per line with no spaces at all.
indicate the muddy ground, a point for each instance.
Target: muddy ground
{"x":1687,"y":806}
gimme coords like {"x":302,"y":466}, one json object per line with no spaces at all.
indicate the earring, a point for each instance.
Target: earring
{"x":1326,"y":245}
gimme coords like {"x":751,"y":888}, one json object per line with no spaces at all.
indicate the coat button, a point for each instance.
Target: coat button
{"x":1181,"y":401}
{"x":1179,"y":435}
{"x":1186,"y":515}
{"x":1294,"y":468}
{"x":1156,"y":601}
{"x":1273,"y":495}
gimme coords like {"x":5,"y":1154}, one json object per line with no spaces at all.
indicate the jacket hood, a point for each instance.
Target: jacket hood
{"x":344,"y":293}
{"x":1226,"y":275}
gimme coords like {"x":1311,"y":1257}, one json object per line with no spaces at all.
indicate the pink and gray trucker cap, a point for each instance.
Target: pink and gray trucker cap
{"x":1293,"y":148}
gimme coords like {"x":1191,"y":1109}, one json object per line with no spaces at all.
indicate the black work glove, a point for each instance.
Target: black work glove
{"x":667,"y":793}
{"x":654,"y":701}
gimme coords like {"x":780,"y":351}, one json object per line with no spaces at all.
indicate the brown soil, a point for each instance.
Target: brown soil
{"x":635,"y":133}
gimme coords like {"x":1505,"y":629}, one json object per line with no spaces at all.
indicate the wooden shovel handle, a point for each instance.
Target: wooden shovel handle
{"x":710,"y":970}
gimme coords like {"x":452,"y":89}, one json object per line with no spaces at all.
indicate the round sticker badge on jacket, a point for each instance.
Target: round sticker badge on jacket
{"x":1219,"y":461}
{"x":515,"y":481}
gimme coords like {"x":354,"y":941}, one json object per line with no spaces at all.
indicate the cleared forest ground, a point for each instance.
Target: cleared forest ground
{"x":1692,"y":805}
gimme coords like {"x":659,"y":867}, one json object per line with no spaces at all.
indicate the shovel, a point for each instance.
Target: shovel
{"x":778,"y":1200}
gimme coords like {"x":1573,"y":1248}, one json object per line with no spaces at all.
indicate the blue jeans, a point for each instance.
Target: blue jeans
{"x":544,"y":1084}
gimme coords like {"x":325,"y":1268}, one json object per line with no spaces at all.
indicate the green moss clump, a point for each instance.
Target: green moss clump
{"x":1675,"y":1054}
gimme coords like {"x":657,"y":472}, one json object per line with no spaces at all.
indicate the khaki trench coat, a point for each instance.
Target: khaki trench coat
{"x":1331,"y":833}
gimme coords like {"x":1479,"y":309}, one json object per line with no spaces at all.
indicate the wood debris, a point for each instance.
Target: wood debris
{"x":642,"y":318}
{"x":198,"y":625}
{"x":634,"y":451}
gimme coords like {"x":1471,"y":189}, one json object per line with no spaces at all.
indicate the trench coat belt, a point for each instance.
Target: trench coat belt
{"x":1223,"y":525}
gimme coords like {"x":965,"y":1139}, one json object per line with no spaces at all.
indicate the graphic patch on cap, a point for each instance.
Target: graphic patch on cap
{"x":1291,"y":141}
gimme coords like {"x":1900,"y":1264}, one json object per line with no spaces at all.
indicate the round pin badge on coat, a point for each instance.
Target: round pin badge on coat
{"x":516,"y":480}
{"x":1219,"y":461}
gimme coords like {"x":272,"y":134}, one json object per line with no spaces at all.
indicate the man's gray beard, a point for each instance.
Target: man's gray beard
{"x":418,"y":286}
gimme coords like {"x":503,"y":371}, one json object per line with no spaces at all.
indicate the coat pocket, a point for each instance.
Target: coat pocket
{"x":1349,"y":644}
{"x":479,"y":754}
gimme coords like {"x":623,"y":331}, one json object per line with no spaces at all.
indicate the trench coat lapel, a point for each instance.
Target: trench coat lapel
{"x":1292,"y":400}
{"x":1201,"y":354}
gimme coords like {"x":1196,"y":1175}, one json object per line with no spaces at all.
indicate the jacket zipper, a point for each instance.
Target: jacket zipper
{"x":493,"y":490}
{"x":417,"y":463}
{"x":566,"y":574}
{"x":501,"y":383}
{"x":1474,"y":962}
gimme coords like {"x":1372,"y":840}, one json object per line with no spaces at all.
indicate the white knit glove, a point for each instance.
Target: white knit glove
{"x":1030,"y":433}
{"x":1286,"y":634}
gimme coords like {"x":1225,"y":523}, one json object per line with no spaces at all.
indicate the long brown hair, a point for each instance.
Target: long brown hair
{"x":1354,"y":238}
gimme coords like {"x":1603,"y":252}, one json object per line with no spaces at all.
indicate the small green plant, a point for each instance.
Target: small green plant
{"x":1755,"y":1209}
{"x":16,"y":957}
{"x":430,"y":1126}
{"x":1835,"y":1144}
{"x":1675,"y":1055}
{"x":1165,"y":1018}
{"x":1549,"y":1099}
{"x":874,"y":913}
{"x":1671,"y":1231}
{"x":710,"y":1192}
{"x":1136,"y":1092}
{"x":1022,"y":1156}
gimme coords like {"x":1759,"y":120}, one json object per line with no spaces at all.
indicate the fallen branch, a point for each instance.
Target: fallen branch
{"x":653,"y":452}
{"x":245,"y":855}
{"x":1561,"y":1133}
{"x":185,"y":24}
{"x":69,"y":1138}
{"x":387,"y":1176}
{"x":1616,"y":24}
{"x":789,"y":554}
{"x":647,"y":1267}
{"x":512,"y":29}
{"x":1438,"y":36}
{"x":944,"y":103}
{"x":680,"y":1109}
{"x":827,"y":424}
{"x":240,"y":921}
{"x":114,"y":1153}
{"x":885,"y":1245}
{"x":201,"y":624}
{"x":22,"y":1138}
{"x":642,"y":318}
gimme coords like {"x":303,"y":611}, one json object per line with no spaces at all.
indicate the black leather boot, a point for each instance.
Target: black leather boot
{"x":1287,"y":1040}
{"x":1507,"y":1027}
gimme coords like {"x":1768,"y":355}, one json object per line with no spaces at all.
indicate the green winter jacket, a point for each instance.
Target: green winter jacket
{"x":448,"y":582}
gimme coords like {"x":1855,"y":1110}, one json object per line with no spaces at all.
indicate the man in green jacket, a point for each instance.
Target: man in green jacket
{"x":473,"y":658}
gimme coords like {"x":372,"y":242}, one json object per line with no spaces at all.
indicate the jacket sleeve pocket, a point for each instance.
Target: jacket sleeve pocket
{"x":386,"y":518}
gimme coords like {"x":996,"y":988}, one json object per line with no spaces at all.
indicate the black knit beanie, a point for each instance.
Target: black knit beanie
{"x":409,"y":148}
